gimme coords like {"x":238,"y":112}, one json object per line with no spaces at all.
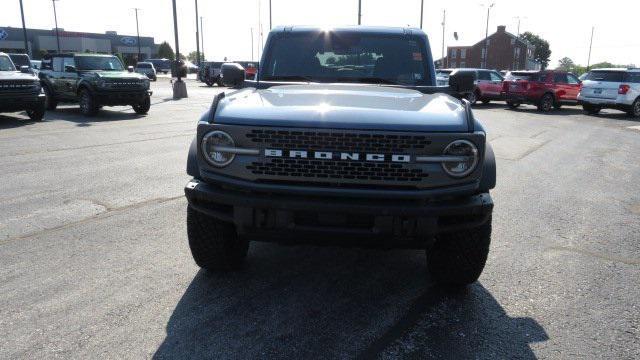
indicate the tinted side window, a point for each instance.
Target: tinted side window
{"x":484,"y":75}
{"x":68,"y":61}
{"x":608,"y":76}
{"x":495,"y":77}
{"x":572,"y":79}
{"x":57,"y":64}
{"x":633,"y":77}
{"x":560,"y":78}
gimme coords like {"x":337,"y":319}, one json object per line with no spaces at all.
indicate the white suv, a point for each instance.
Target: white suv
{"x":611,"y":89}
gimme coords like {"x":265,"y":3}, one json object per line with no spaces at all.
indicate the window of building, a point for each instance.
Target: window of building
{"x":463,"y":53}
{"x":463,"y":64}
{"x":513,"y":41}
{"x":453,"y":64}
{"x":454,"y":53}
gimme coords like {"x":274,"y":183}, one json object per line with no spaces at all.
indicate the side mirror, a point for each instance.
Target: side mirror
{"x":130,"y":68}
{"x":69,"y":68}
{"x":232,"y":75}
{"x":25,"y":69}
{"x":462,"y":82}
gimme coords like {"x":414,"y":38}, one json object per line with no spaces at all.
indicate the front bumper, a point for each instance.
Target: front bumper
{"x":278,"y":216}
{"x":19,"y":102}
{"x":121,"y":97}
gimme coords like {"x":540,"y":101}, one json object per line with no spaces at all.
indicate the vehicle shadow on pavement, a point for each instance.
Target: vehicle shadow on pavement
{"x":10,"y":122}
{"x":310,"y":302}
{"x":73,"y":114}
{"x":564,"y":111}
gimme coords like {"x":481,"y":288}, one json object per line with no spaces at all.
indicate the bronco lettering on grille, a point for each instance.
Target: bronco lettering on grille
{"x":329,"y":155}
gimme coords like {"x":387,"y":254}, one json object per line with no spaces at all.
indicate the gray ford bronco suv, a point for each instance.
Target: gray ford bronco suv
{"x":93,"y":81}
{"x":20,"y":90}
{"x":343,"y":138}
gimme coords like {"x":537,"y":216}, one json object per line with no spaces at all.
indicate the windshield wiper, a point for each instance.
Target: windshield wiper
{"x":374,"y":80}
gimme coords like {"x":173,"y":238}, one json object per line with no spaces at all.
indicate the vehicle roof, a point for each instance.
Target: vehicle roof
{"x":77,"y":54}
{"x":351,"y":28}
{"x":617,"y":69}
{"x":145,"y":62}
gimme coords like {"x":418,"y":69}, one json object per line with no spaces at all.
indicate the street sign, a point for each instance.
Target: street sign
{"x":3,"y":34}
{"x":128,"y":40}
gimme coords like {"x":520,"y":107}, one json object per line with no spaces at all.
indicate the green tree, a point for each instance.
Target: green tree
{"x":193,"y":57}
{"x":566,"y":64}
{"x":166,"y":51}
{"x":543,"y":49}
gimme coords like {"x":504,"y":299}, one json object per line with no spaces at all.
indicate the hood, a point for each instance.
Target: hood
{"x":112,"y":74}
{"x":343,"y":106}
{"x":16,"y":75}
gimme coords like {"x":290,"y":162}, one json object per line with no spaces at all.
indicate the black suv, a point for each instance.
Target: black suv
{"x":20,"y":90}
{"x":93,"y":81}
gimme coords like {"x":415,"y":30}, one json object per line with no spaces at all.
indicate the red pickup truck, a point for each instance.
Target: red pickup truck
{"x":547,"y":89}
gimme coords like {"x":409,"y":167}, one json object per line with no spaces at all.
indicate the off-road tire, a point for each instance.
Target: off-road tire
{"x":219,"y":82}
{"x":50,"y":103}
{"x":209,"y":83}
{"x":546,"y":103}
{"x":591,"y":109}
{"x":513,"y":104}
{"x":143,"y":107}
{"x":486,"y":101}
{"x":458,"y":258}
{"x":37,"y":114}
{"x":88,"y":105}
{"x":214,"y":244}
{"x":635,"y":109}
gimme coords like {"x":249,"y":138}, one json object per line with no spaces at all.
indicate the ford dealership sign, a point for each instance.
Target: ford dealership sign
{"x":3,"y":34}
{"x":127,"y":40}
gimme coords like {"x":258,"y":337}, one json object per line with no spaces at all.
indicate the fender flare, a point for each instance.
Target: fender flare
{"x":192,"y":159}
{"x":488,"y":179}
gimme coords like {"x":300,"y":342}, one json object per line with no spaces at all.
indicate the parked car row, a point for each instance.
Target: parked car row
{"x":551,"y":89}
{"x":210,"y":73}
{"x":91,"y":80}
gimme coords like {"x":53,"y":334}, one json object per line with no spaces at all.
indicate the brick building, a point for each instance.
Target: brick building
{"x":506,"y":52}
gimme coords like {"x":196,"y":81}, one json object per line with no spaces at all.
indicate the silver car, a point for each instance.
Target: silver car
{"x":146,"y":68}
{"x":611,"y":89}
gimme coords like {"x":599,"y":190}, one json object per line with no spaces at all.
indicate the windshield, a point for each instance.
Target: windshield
{"x":347,"y":57}
{"x":6,"y":64}
{"x":20,"y":60}
{"x":108,"y":63}
{"x":523,"y":76}
{"x":443,"y":72}
{"x":144,"y":66}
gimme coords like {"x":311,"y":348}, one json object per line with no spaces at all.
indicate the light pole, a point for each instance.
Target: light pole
{"x":270,"y":15}
{"x":138,"y":32}
{"x":197,"y":37}
{"x":519,"y":19}
{"x":421,"y":12}
{"x":359,"y":12}
{"x":179,"y":86}
{"x":590,"y":44}
{"x":24,"y":30}
{"x":486,"y":36}
{"x":202,"y":38}
{"x":444,"y":21}
{"x":251,"y":44}
{"x":55,"y":18}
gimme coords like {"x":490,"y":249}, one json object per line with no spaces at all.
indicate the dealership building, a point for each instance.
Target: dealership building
{"x":44,"y":41}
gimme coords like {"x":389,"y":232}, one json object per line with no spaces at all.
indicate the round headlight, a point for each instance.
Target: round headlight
{"x":466,"y":158}
{"x":211,"y":143}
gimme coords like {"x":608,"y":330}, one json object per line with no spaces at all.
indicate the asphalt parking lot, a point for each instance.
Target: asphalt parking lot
{"x":95,"y":263}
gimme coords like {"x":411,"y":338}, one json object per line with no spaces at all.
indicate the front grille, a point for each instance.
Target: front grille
{"x":19,"y":86}
{"x":338,"y":141}
{"x":336,"y":170}
{"x":127,"y":85}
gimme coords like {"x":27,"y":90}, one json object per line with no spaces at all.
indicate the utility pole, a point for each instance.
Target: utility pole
{"x":197,"y":37}
{"x":519,"y":19}
{"x":359,"y":12}
{"x":486,"y":37}
{"x":421,"y":12}
{"x":202,"y":38}
{"x":590,"y":44}
{"x":55,"y":18}
{"x":251,"y":44}
{"x":444,"y":21}
{"x":24,"y":30}
{"x":179,"y":86}
{"x":270,"y":15}
{"x":138,"y":31}
{"x":259,"y":29}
